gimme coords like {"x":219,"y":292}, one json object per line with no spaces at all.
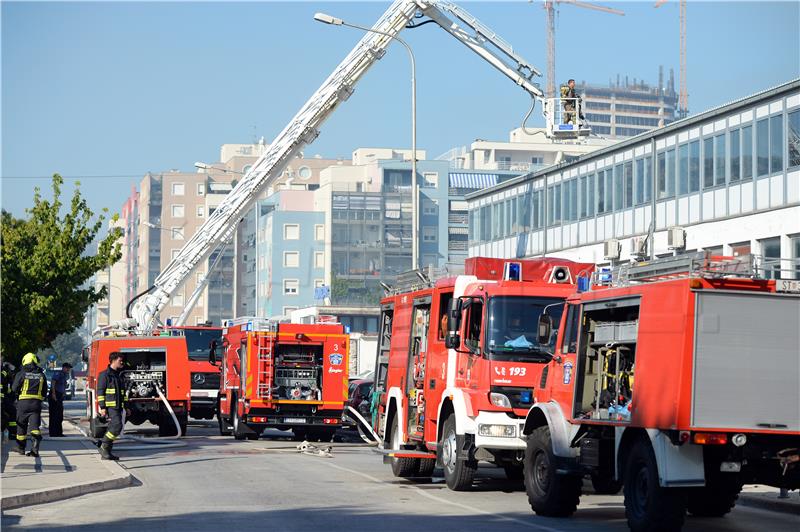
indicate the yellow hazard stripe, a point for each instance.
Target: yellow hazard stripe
{"x":21,"y":437}
{"x":111,"y":403}
{"x":29,"y":396}
{"x":101,"y":397}
{"x":36,"y":432}
{"x":110,"y":436}
{"x":111,"y":390}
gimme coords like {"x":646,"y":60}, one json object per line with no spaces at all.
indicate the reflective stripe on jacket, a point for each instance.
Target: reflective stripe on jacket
{"x":30,"y":383}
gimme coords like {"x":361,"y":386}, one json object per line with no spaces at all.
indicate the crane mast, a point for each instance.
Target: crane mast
{"x":304,"y":128}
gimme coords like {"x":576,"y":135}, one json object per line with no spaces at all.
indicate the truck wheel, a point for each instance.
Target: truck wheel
{"x":299,"y":434}
{"x":224,"y":426}
{"x":604,"y":485}
{"x":401,"y":467}
{"x":166,"y":426}
{"x":458,"y":474}
{"x":648,"y":506}
{"x":514,"y":472}
{"x":426,"y":467}
{"x":717,"y":498}
{"x":238,"y":433}
{"x":549,"y":493}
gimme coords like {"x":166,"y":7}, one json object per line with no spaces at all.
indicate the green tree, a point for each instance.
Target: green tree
{"x":66,"y":347}
{"x":45,"y":269}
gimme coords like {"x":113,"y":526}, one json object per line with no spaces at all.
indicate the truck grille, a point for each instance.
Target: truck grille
{"x":205,"y":381}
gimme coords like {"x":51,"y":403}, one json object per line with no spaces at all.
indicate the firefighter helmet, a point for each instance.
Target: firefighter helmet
{"x":30,"y":358}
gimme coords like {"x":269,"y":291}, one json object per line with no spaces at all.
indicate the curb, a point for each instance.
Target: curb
{"x":122,"y":479}
{"x":773,"y":505}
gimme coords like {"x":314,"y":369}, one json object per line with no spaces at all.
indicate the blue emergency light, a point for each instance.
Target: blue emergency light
{"x":525,"y":396}
{"x":583,"y":284}
{"x":513,"y":271}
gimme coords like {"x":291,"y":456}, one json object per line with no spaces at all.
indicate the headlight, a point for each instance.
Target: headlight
{"x":498,"y":399}
{"x":497,"y":431}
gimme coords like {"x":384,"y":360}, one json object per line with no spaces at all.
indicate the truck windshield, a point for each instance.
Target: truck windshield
{"x":513,"y":325}
{"x":198,"y":342}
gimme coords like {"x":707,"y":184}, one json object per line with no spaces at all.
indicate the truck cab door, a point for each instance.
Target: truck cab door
{"x":469,"y":357}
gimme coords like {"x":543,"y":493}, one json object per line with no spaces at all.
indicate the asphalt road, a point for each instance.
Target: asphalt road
{"x":217,"y":483}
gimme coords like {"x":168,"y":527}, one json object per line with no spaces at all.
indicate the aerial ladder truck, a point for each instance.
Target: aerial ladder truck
{"x":144,"y":309}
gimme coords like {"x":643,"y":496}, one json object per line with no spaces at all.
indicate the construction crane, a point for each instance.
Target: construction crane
{"x":550,"y":26}
{"x":683,"y":95}
{"x":143,"y":310}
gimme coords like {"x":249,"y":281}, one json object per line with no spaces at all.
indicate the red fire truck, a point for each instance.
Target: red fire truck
{"x":456,"y":368}
{"x":282,"y":375}
{"x":677,"y":380}
{"x":204,"y":375}
{"x":153,"y":364}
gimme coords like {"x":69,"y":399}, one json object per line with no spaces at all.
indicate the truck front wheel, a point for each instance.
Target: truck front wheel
{"x":717,"y":498}
{"x":224,"y":427}
{"x":458,"y":473}
{"x":401,"y":467}
{"x":549,"y":493}
{"x":648,"y":506}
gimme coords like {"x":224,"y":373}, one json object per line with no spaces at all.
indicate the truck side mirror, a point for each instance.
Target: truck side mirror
{"x":212,"y":352}
{"x":452,"y":340}
{"x":545,"y":328}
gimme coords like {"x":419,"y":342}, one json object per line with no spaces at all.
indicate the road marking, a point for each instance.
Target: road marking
{"x":451,"y":503}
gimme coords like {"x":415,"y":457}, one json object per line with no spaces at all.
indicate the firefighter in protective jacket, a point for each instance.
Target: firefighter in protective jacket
{"x":30,"y":387}
{"x":7,"y":398}
{"x":111,"y":398}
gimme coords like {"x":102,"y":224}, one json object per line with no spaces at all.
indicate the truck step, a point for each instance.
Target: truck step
{"x":407,"y":454}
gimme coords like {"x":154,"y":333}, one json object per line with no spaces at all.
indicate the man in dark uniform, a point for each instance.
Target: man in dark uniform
{"x":30,"y":387}
{"x":55,"y":401}
{"x":111,"y":399}
{"x":7,"y":398}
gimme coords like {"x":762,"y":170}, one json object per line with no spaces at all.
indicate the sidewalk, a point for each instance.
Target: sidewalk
{"x":766,"y":498}
{"x":65,"y":468}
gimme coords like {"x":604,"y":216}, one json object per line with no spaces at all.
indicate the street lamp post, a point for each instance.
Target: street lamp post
{"x":328,"y":19}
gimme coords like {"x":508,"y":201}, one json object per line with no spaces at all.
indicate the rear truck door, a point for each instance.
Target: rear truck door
{"x":417,"y":358}
{"x":746,"y":371}
{"x":382,"y":366}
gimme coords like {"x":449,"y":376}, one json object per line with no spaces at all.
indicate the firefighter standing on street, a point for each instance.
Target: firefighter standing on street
{"x":111,"y":399}
{"x":30,"y":387}
{"x":7,"y":398}
{"x":55,"y":401}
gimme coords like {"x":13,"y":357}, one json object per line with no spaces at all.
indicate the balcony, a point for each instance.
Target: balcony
{"x":457,"y":218}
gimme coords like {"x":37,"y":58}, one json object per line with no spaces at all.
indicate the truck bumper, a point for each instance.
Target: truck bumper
{"x":487,"y":426}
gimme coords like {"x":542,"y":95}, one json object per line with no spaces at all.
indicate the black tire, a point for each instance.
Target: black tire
{"x":648,"y":506}
{"x":458,"y":474}
{"x":401,"y":467}
{"x":299,"y":434}
{"x":549,"y":493}
{"x":326,"y":435}
{"x":604,"y":485}
{"x":717,"y":498}
{"x":224,"y":427}
{"x":426,"y":467}
{"x":238,"y":433}
{"x":514,"y":472}
{"x":166,"y":425}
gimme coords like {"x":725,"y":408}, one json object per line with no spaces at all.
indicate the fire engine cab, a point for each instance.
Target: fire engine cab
{"x":282,"y":375}
{"x":204,"y":375}
{"x":677,"y":380}
{"x":458,"y":364}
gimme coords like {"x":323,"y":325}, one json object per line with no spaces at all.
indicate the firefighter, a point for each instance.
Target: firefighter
{"x":7,"y":401}
{"x":30,"y":387}
{"x":570,"y":99}
{"x":111,"y":401}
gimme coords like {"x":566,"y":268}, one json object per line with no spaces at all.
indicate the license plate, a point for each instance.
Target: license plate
{"x":787,"y":285}
{"x":294,"y":420}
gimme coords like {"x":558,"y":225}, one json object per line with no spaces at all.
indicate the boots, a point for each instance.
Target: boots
{"x":34,"y":447}
{"x":20,"y":448}
{"x":105,"y":451}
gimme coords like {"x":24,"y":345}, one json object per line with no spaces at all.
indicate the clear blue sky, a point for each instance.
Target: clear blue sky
{"x":118,"y":89}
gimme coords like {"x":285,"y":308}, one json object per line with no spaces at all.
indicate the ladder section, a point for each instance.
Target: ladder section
{"x":266,"y":343}
{"x":700,"y":264}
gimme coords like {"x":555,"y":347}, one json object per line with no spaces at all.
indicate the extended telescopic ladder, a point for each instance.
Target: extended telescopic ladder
{"x":304,"y":128}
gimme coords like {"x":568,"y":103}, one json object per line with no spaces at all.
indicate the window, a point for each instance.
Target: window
{"x":776,"y":144}
{"x":708,"y":162}
{"x":627,"y":176}
{"x":178,"y":189}
{"x":671,"y":173}
{"x":584,"y":197}
{"x":661,"y":175}
{"x":683,"y":169}
{"x":291,"y":231}
{"x":429,"y":234}
{"x":795,"y":248}
{"x":201,"y":211}
{"x":319,"y":232}
{"x":570,"y":343}
{"x":793,"y":139}
{"x":319,"y":259}
{"x":291,"y":287}
{"x":601,"y":192}
{"x":174,"y":253}
{"x":747,"y":152}
{"x":648,"y":179}
{"x":740,"y":249}
{"x":291,"y":259}
{"x":762,"y":147}
{"x":201,"y":189}
{"x":735,"y":155}
{"x":429,"y":207}
{"x":770,"y":251}
{"x":430,"y":179}
{"x":618,"y":185}
{"x":177,"y":233}
{"x":590,"y":195}
{"x":177,"y":300}
{"x":719,"y":160}
{"x":319,"y":283}
{"x":198,"y":277}
{"x":473,"y":333}
{"x":639,"y":181}
{"x":554,"y":200}
{"x":177,"y":211}
{"x":694,"y":166}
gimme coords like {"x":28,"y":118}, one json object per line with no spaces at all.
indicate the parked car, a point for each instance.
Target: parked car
{"x":359,"y":396}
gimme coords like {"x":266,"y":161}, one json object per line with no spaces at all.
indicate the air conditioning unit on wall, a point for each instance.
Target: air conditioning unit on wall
{"x":676,"y":238}
{"x":611,"y":249}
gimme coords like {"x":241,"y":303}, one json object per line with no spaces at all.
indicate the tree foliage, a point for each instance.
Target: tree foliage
{"x":46,"y":264}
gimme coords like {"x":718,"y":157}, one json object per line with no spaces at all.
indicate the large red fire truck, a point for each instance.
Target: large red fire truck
{"x":677,"y":379}
{"x":282,"y":375}
{"x":156,"y":372}
{"x":456,"y":368}
{"x":204,"y":375}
